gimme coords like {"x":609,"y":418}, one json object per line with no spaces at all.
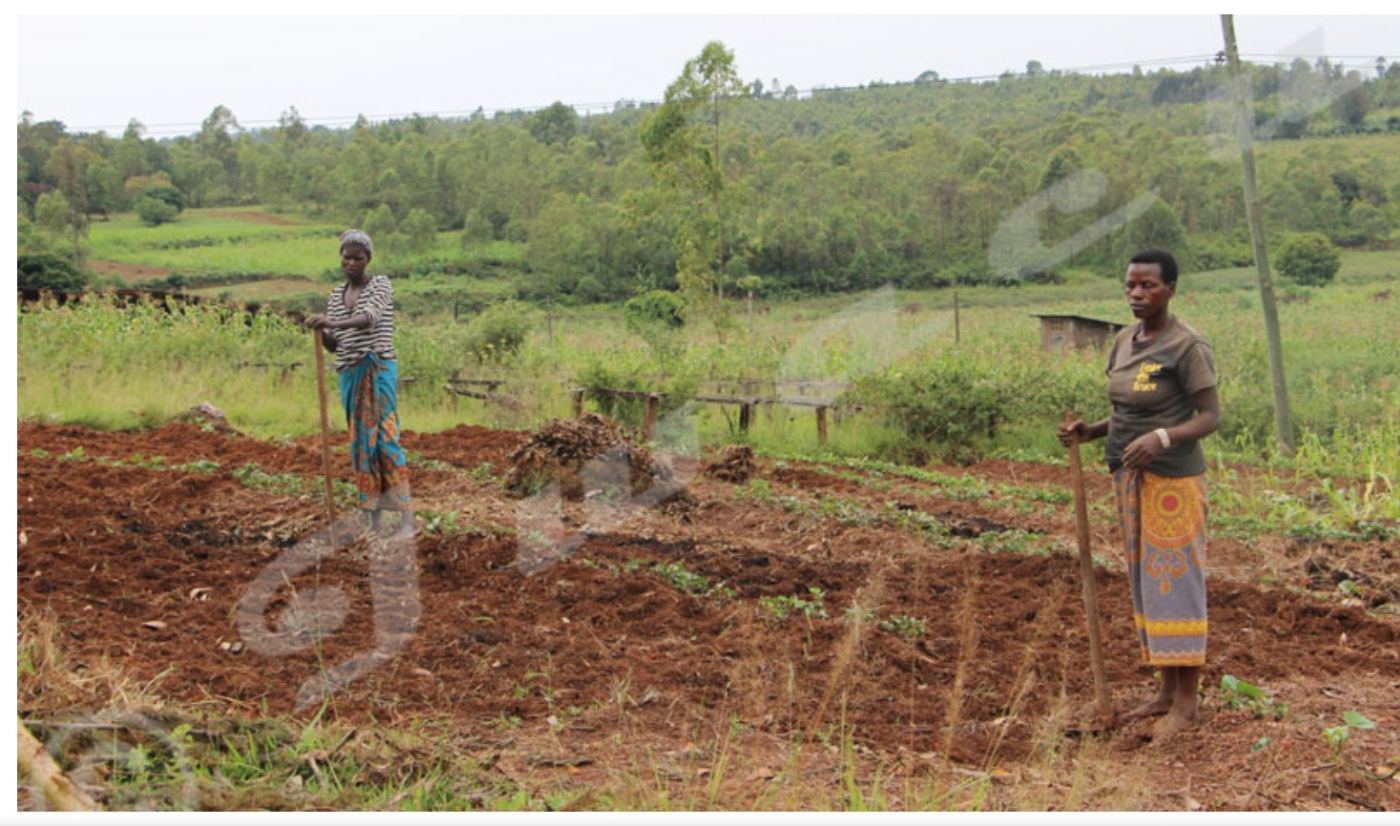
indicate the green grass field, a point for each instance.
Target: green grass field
{"x":206,"y":244}
{"x":114,"y":368}
{"x":1341,"y":344}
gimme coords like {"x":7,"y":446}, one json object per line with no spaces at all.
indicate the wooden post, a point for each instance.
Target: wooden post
{"x":653,"y":407}
{"x":821,"y":424}
{"x":745,"y":415}
{"x":578,"y":402}
{"x":957,"y":327}
{"x":1283,"y":419}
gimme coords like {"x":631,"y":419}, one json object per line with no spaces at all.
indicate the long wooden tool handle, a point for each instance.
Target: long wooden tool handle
{"x":325,"y":426}
{"x":1086,"y":575}
{"x":35,"y":764}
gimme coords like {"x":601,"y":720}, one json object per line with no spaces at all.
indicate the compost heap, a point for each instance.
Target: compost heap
{"x":584,"y":455}
{"x":734,"y":464}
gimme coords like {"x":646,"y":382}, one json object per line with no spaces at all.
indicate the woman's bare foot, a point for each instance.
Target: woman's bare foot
{"x":1184,"y":709}
{"x":1173,"y":724}
{"x":1157,"y":707}
{"x":1166,"y":696}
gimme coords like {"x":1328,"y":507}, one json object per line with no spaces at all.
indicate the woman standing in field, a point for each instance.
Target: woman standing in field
{"x":1162,"y":387}
{"x":358,"y":326}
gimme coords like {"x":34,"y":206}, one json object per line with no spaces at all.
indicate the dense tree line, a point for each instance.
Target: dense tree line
{"x":822,"y":191}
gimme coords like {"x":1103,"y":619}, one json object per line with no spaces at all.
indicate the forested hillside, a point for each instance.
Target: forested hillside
{"x":740,"y":183}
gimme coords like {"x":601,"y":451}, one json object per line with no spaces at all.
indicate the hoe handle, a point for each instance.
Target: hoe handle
{"x":325,"y":425}
{"x":1086,"y":575}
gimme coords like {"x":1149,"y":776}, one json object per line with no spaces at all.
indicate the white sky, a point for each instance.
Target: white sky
{"x":93,"y":71}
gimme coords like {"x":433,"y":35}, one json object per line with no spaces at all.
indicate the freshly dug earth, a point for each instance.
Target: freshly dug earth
{"x":742,"y":622}
{"x":588,"y":452}
{"x":127,"y":270}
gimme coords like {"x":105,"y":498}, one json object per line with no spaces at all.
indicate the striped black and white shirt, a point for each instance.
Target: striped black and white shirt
{"x":376,"y":300}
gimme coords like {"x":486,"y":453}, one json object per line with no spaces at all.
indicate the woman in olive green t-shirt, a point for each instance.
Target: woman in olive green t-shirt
{"x":1162,"y":386}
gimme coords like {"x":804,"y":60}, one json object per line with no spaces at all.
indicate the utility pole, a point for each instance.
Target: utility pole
{"x":1283,"y":419}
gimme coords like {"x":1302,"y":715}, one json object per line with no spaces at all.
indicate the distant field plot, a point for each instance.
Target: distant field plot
{"x":216,"y":240}
{"x":246,"y":243}
{"x":266,"y":289}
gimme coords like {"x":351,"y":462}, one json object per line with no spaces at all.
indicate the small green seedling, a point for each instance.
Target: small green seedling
{"x":902,"y":625}
{"x":1238,"y":693}
{"x":205,"y":466}
{"x":1337,"y":736}
{"x":785,"y":606}
{"x":687,"y":581}
{"x":683,"y":579}
{"x":439,"y":522}
{"x":855,"y":613}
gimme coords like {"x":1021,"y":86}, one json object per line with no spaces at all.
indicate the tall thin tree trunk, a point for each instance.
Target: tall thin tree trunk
{"x":1283,"y":418}
{"x":719,"y":208}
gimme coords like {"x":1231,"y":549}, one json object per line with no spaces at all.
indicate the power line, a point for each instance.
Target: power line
{"x":175,"y":129}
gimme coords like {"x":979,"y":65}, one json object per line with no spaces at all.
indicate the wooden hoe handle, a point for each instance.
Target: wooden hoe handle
{"x":1086,"y":575}
{"x":325,"y":426}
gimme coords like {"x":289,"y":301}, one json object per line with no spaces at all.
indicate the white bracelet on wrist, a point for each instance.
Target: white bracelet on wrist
{"x":1163,"y":437}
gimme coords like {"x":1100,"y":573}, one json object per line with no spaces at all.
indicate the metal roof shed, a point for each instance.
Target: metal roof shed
{"x":1063,"y":332}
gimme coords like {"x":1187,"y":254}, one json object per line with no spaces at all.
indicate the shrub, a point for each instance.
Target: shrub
{"x":498,"y":332}
{"x":168,"y":194}
{"x":380,"y":224}
{"x":657,"y":317}
{"x":53,"y":212}
{"x":1372,"y":222}
{"x":953,"y":406}
{"x":1309,"y":258}
{"x":1222,"y":254}
{"x":419,"y":228}
{"x":948,"y":406}
{"x":589,"y":290}
{"x":652,"y":309}
{"x":155,"y":211}
{"x":476,"y":229}
{"x":47,"y":271}
{"x":606,"y":371}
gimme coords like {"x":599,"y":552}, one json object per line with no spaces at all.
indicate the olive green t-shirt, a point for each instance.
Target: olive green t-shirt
{"x":1150,"y":384}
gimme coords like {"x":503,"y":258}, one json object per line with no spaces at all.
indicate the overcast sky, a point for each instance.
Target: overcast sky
{"x":169,"y":71}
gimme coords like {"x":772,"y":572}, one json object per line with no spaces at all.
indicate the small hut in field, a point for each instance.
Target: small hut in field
{"x":1064,"y":332}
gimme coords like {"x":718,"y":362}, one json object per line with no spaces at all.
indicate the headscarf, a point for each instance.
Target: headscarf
{"x":359,"y":238}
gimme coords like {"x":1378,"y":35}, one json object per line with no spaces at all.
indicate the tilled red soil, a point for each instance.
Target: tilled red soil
{"x":252,"y":217}
{"x":126,"y":270}
{"x":603,"y":640}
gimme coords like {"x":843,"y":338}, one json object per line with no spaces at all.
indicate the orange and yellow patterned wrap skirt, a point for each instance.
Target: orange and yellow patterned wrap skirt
{"x":1163,"y":519}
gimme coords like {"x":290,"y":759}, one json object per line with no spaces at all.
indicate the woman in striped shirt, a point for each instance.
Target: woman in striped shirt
{"x":358,"y":326}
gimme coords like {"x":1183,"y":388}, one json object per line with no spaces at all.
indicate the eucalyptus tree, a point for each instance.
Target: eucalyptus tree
{"x":684,"y":141}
